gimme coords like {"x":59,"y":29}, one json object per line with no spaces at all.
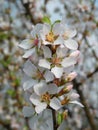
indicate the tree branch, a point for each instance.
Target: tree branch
{"x":86,"y":107}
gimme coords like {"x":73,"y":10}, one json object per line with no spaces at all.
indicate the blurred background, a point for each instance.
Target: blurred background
{"x":16,"y":20}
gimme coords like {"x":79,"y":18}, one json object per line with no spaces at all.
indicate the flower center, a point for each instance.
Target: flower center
{"x":45,"y":97}
{"x":36,"y":42}
{"x":56,"y":61}
{"x":57,"y":81}
{"x":50,"y":37}
{"x":39,"y":75}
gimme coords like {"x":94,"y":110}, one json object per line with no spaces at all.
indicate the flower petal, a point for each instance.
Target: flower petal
{"x":29,"y":83}
{"x":40,"y":107}
{"x":52,"y":88}
{"x":71,"y":44}
{"x":48,"y":76}
{"x":29,"y":68}
{"x":40,"y":88}
{"x":29,"y":53}
{"x":61,"y":52}
{"x":26,"y":44}
{"x":57,"y":28}
{"x":55,"y":103}
{"x":44,"y":63}
{"x":36,"y":30}
{"x":74,"y":96}
{"x":57,"y":71}
{"x":70,"y":33}
{"x":69,"y":61}
{"x":35,"y":99}
{"x":76,"y":102}
{"x":28,"y":111}
{"x":47,"y":52}
{"x":46,"y":29}
{"x":59,"y":41}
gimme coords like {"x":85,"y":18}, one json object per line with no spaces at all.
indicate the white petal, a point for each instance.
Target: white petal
{"x":76,"y":102}
{"x":26,"y":44}
{"x":28,"y":84}
{"x":70,"y":33}
{"x":71,"y":44}
{"x":44,"y":63}
{"x":48,"y":76}
{"x":36,"y":30}
{"x":29,"y":68}
{"x":57,"y":28}
{"x":59,"y":41}
{"x":35,"y":99}
{"x":46,"y":29}
{"x":57,"y":71}
{"x":47,"y":52}
{"x":29,"y":53}
{"x":52,"y":88}
{"x":28,"y":111}
{"x":61,"y":52}
{"x":74,"y":96}
{"x":75,"y":53}
{"x":69,"y":61}
{"x":40,"y":88}
{"x":40,"y":107}
{"x":55,"y":103}
{"x":46,"y":42}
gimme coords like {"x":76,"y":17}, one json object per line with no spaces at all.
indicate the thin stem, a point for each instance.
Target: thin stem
{"x":54,"y":119}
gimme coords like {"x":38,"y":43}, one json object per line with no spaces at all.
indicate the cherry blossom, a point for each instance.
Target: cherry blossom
{"x":42,"y":96}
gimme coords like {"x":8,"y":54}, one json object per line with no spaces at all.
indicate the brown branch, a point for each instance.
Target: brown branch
{"x":92,"y":73}
{"x":5,"y":124}
{"x":86,"y":107}
{"x":29,"y":13}
{"x":54,"y":119}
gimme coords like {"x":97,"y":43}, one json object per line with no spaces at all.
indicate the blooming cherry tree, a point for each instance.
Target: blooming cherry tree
{"x":51,"y":54}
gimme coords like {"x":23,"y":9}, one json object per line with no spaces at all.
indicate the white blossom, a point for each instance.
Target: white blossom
{"x":42,"y":96}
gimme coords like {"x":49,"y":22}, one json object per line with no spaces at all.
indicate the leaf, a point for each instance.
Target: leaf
{"x":11,"y":92}
{"x":17,"y":81}
{"x":59,"y":118}
{"x":46,"y":20}
{"x":57,"y":21}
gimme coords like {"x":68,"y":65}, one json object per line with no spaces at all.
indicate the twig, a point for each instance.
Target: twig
{"x":54,"y":119}
{"x":86,"y":107}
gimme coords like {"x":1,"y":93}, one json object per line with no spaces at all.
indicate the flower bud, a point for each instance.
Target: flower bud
{"x":71,"y":76}
{"x":65,"y":90}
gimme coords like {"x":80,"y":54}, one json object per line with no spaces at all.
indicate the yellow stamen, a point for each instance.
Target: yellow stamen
{"x":50,"y":37}
{"x":45,"y":97}
{"x":65,"y":101}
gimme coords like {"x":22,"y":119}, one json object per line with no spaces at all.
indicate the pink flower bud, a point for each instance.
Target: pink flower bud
{"x":71,"y":76}
{"x":69,"y":87}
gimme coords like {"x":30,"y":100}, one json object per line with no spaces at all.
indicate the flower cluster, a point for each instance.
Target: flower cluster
{"x":51,"y":54}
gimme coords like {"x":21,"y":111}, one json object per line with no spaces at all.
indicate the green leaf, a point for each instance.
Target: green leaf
{"x":6,"y":62}
{"x":11,"y":92}
{"x":46,"y":20}
{"x":17,"y":81}
{"x":59,"y":118}
{"x":57,"y":21}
